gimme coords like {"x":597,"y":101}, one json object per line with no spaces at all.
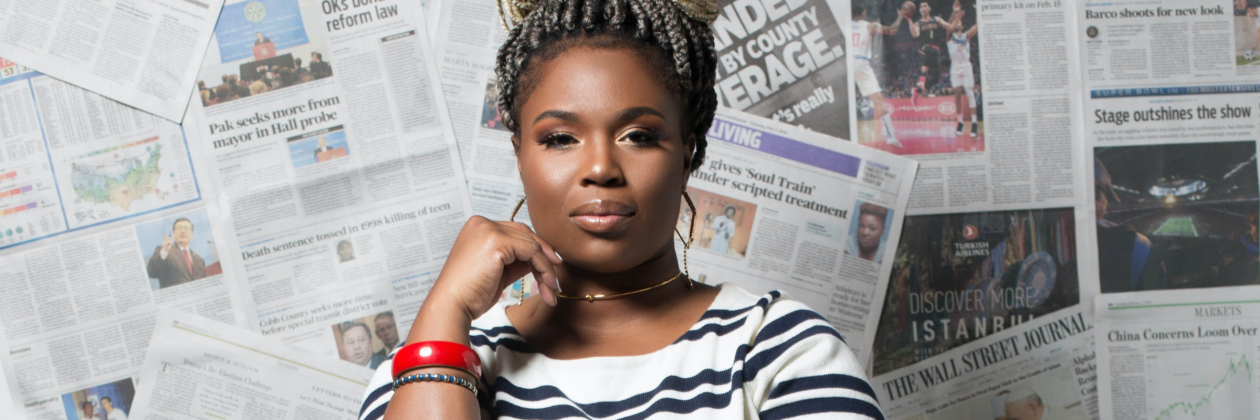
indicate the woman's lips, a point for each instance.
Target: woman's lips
{"x":601,"y":216}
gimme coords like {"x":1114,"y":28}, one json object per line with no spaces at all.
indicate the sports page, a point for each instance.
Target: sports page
{"x":1170,"y":119}
{"x":981,"y":93}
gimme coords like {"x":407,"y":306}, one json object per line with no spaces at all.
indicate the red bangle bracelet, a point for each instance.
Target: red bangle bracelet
{"x":437,"y":354}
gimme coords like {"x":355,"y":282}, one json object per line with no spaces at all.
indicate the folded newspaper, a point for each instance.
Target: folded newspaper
{"x":198,"y":368}
{"x":1044,"y":369}
{"x":142,"y":53}
{"x":103,"y":220}
{"x":1178,"y":354}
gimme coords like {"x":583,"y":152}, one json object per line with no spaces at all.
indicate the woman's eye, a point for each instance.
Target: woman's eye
{"x":643,"y":137}
{"x":558,"y":140}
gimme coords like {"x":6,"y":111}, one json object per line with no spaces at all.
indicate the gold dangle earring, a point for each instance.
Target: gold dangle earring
{"x":691,"y":236}
{"x":516,"y":209}
{"x":520,"y":281}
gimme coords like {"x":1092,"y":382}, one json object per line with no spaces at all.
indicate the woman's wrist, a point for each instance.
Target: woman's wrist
{"x":440,"y":319}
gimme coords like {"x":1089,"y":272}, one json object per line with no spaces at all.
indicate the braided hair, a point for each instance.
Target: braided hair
{"x":677,"y":47}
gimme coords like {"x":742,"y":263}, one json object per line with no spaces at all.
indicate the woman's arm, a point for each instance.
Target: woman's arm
{"x":486,"y":258}
{"x":436,"y":321}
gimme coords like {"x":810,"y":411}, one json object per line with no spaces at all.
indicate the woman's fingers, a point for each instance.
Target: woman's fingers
{"x":524,"y":251}
{"x":554,"y":258}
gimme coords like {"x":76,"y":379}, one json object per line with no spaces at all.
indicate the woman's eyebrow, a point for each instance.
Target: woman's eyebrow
{"x":639,"y":111}
{"x":555,"y":113}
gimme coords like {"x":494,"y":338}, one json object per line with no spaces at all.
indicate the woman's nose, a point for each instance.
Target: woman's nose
{"x":601,"y":165}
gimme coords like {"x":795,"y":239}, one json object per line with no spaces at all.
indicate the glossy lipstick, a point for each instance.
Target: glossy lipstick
{"x":602,"y":216}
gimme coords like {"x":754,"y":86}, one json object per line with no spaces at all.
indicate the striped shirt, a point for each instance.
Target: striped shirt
{"x":748,"y":357}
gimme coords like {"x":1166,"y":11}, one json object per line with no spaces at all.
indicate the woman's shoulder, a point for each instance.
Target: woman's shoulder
{"x":772,"y":319}
{"x":795,"y":359}
{"x":774,"y":309}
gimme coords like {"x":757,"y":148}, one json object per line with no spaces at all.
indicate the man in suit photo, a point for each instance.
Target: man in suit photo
{"x":174,"y":263}
{"x":318,"y":67}
{"x":323,"y":148}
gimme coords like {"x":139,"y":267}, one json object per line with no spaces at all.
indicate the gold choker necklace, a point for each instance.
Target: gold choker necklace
{"x":593,"y":298}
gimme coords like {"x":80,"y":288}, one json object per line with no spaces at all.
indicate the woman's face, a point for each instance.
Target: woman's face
{"x":357,"y":345}
{"x":603,"y":158}
{"x":870,"y":228}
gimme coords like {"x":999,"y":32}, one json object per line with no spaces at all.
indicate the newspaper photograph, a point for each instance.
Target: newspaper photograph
{"x":142,"y":53}
{"x":1171,"y":123}
{"x":981,"y":94}
{"x":784,"y":61}
{"x":1042,"y":369}
{"x":105,"y":219}
{"x":1185,"y":354}
{"x":957,"y":278}
{"x":779,"y":207}
{"x":337,"y":167}
{"x":199,"y":369}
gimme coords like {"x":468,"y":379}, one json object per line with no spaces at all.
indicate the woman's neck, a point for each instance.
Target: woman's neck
{"x":634,"y":324}
{"x":577,"y":281}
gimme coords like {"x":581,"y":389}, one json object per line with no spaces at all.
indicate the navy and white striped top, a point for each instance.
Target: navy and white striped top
{"x":747,"y":357}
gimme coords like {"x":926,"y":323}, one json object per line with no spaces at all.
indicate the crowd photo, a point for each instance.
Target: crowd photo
{"x":270,"y":74}
{"x":260,"y":46}
{"x":917,"y":71}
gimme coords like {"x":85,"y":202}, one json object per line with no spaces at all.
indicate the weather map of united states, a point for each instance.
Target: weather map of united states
{"x":119,"y":175}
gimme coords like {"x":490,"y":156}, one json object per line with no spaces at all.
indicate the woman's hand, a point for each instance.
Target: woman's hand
{"x":486,"y":258}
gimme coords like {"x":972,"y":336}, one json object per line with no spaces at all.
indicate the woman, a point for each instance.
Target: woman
{"x":870,"y":232}
{"x":608,"y":102}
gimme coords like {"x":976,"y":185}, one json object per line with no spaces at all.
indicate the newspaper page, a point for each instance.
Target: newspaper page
{"x":1185,"y":354}
{"x":781,"y":207}
{"x":469,"y":35}
{"x":984,"y":95}
{"x":143,"y":53}
{"x":1043,"y":369}
{"x":991,"y":239}
{"x":1172,"y":90}
{"x":201,"y":369}
{"x":784,"y":60}
{"x":337,"y":169}
{"x":105,"y":219}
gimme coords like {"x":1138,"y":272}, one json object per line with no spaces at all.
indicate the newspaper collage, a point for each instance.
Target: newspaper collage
{"x":203,"y":200}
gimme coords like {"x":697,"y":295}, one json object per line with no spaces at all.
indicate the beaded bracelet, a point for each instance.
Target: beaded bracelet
{"x":433,"y":377}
